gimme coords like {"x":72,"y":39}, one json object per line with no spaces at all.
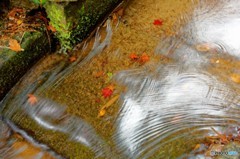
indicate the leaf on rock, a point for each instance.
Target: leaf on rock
{"x":51,"y":28}
{"x":14,"y":45}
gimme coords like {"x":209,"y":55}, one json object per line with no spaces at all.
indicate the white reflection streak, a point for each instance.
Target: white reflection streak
{"x":133,"y":115}
{"x":185,"y":94}
{"x":220,"y":26}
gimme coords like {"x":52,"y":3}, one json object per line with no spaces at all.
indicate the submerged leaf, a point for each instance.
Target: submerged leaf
{"x":109,"y":74}
{"x":133,"y":56}
{"x":106,"y":92}
{"x":101,"y":113}
{"x":158,"y":22}
{"x":144,"y":58}
{"x":110,"y":102}
{"x":98,"y":74}
{"x":235,"y":78}
{"x":32,"y":99}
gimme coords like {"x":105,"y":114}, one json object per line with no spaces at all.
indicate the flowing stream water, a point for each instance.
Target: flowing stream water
{"x":161,"y":109}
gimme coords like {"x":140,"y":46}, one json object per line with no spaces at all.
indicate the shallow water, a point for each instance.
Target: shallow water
{"x":165,"y":108}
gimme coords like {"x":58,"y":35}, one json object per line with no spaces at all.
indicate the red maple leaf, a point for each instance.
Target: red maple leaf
{"x":107,"y":92}
{"x":158,"y":22}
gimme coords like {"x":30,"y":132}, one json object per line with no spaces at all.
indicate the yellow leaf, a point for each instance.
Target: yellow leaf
{"x":14,"y":45}
{"x":19,"y":22}
{"x":110,"y":102}
{"x":101,"y":113}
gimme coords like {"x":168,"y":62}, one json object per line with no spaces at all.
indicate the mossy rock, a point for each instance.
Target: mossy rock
{"x":13,"y":65}
{"x":74,"y":21}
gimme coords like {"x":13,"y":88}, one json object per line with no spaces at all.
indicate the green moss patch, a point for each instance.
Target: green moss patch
{"x":14,"y":65}
{"x":75,"y":20}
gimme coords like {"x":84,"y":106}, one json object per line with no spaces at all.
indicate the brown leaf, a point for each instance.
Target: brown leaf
{"x":14,"y":45}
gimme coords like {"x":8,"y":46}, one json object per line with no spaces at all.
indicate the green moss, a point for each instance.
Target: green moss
{"x":56,"y":12}
{"x":75,"y":20}
{"x":14,"y":65}
{"x":91,"y":13}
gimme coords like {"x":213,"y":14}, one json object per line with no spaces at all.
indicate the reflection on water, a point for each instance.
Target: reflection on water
{"x":167,"y":108}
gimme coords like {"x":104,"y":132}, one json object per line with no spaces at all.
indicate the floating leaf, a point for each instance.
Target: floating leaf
{"x":158,"y":22}
{"x":32,"y":99}
{"x":14,"y":45}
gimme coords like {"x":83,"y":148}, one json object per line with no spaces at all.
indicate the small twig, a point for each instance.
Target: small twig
{"x":4,"y":47}
{"x":222,"y":137}
{"x":22,"y":37}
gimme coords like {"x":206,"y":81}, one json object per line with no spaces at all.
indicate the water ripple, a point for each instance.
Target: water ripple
{"x":173,"y":103}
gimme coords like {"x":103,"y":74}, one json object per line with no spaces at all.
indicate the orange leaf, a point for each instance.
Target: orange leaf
{"x":144,"y":58}
{"x":133,"y":56}
{"x":101,"y":113}
{"x":32,"y":99}
{"x":14,"y":45}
